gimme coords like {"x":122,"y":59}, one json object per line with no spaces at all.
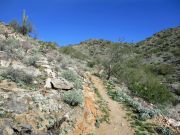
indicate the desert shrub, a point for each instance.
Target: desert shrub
{"x":164,"y":69}
{"x":53,"y":55}
{"x":176,"y":52}
{"x":9,"y":45}
{"x":73,"y":98}
{"x":26,"y":45}
{"x":69,"y":75}
{"x":151,"y":89}
{"x":69,"y":50}
{"x":19,"y":53}
{"x":164,"y":131}
{"x":47,"y":46}
{"x":31,"y":60}
{"x":17,"y":75}
{"x":142,"y":82}
{"x":143,"y":112}
{"x":26,"y":26}
{"x":91,"y":64}
{"x":13,"y":48}
{"x":15,"y":25}
{"x":72,"y":77}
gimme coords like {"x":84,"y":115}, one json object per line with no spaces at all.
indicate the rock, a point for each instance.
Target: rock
{"x":61,"y":83}
{"x":48,"y":83}
{"x":174,"y":123}
{"x":32,"y":71}
{"x":58,"y":83}
{"x":24,"y":129}
{"x":5,"y":63}
{"x":50,"y":73}
{"x":13,"y":104}
{"x":5,"y":127}
{"x":8,"y":131}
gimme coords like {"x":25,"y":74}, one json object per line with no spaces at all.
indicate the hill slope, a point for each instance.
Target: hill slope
{"x":150,"y":68}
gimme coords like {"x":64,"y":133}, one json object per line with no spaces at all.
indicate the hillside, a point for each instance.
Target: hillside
{"x":95,"y":87}
{"x":37,"y":85}
{"x":161,"y":52}
{"x":151,"y":64}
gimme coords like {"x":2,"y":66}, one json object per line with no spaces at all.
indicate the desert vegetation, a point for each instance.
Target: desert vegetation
{"x":25,"y":28}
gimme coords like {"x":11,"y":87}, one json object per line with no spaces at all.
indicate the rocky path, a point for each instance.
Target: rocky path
{"x":118,"y":124}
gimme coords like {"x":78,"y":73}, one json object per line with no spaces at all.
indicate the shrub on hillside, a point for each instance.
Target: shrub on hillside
{"x":72,"y":77}
{"x":73,"y":98}
{"x":46,"y":47}
{"x":17,"y":75}
{"x":143,"y":83}
{"x":73,"y":52}
{"x":91,"y":64}
{"x":31,"y":60}
{"x":164,"y":69}
{"x":151,"y":89}
{"x":176,"y":52}
{"x":143,"y":112}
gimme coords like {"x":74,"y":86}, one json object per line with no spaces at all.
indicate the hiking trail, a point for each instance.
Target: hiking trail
{"x":86,"y":123}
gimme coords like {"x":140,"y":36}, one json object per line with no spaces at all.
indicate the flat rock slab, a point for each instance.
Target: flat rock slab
{"x":58,"y":83}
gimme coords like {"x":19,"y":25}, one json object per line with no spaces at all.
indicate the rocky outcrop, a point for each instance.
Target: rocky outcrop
{"x":58,"y":83}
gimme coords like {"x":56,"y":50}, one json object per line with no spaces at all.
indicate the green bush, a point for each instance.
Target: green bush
{"x":164,"y":69}
{"x":72,"y":77}
{"x":91,"y":64}
{"x":73,"y":98}
{"x":17,"y":76}
{"x":69,"y":75}
{"x":151,"y":89}
{"x":143,"y":83}
{"x":176,"y":52}
{"x":69,"y":50}
{"x":143,"y":112}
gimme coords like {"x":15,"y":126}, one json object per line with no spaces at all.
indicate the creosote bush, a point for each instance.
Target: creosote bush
{"x":73,"y":98}
{"x":17,"y":76}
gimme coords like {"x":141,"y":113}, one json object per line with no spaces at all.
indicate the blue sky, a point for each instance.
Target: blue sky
{"x":71,"y":21}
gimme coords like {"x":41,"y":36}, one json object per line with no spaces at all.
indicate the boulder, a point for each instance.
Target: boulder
{"x":174,"y":123}
{"x":58,"y":83}
{"x":23,"y":129}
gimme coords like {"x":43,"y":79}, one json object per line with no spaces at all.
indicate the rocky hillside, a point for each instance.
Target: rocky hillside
{"x":162,"y":50}
{"x":38,"y":86}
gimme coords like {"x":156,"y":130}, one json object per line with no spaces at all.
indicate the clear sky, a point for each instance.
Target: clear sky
{"x":72,"y":21}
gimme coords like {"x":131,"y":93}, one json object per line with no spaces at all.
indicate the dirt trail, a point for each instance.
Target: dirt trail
{"x":118,"y":124}
{"x":86,"y":122}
